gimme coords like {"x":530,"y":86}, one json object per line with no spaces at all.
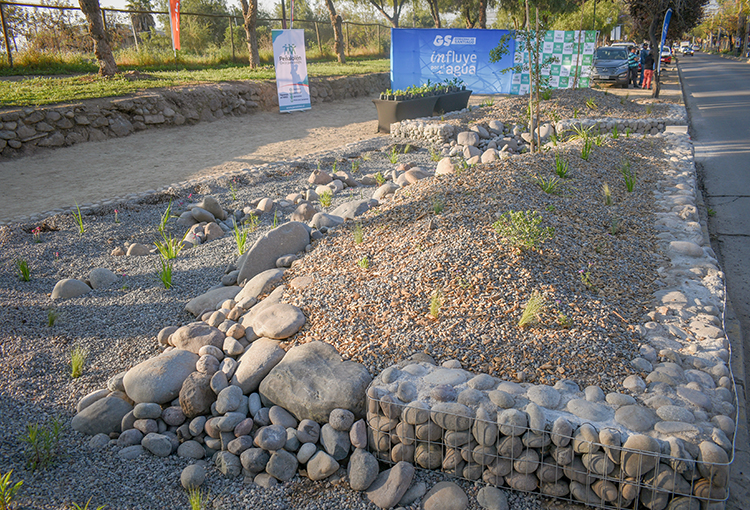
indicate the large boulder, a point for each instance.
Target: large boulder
{"x":290,"y":237}
{"x":312,"y":380}
{"x":159,"y":379}
{"x":262,"y":356}
{"x":211,"y":299}
{"x":195,"y":335}
{"x":101,"y":417}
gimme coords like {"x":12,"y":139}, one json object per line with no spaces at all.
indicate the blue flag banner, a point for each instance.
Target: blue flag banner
{"x":664,"y":29}
{"x":436,"y":54}
{"x":290,"y":62}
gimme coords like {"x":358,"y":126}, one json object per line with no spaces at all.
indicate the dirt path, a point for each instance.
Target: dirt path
{"x":150,"y":159}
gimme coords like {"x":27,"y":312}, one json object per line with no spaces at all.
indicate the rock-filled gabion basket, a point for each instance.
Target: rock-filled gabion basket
{"x":471,"y":427}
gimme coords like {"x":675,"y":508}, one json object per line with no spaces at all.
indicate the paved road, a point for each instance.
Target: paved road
{"x":717,"y":94}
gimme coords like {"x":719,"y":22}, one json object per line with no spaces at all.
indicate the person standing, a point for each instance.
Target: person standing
{"x":642,"y":54}
{"x":632,"y":68}
{"x":648,"y":70}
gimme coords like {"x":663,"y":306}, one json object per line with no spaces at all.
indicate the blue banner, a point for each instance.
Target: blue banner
{"x":664,"y":29}
{"x":436,"y":54}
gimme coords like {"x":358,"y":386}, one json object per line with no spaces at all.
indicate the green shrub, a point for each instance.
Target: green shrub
{"x":41,"y":444}
{"x":521,"y":229}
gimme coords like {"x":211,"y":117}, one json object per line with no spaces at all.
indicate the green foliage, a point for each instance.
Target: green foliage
{"x":22,"y":268}
{"x":275,"y":218}
{"x":164,"y":272}
{"x":165,"y":218}
{"x":586,"y":149}
{"x":607,"y":194}
{"x":521,"y":229}
{"x":546,"y":94}
{"x":435,"y":155}
{"x":586,"y":278}
{"x":627,"y":132}
{"x":240,"y":236}
{"x":364,"y":262}
{"x":436,"y":301}
{"x":628,"y":176}
{"x":170,"y":247}
{"x":197,"y":499}
{"x":615,"y":132}
{"x":487,"y":103}
{"x":548,"y":184}
{"x":599,"y":140}
{"x":380,"y":178}
{"x":76,"y":506}
{"x":649,"y":109}
{"x":326,"y":198}
{"x":591,"y":103}
{"x":614,"y":226}
{"x":359,"y":235}
{"x":437,"y":206}
{"x":233,"y":191}
{"x":41,"y":443}
{"x":77,"y":360}
{"x":564,"y":321}
{"x":52,"y":316}
{"x":393,"y":156}
{"x":8,"y":490}
{"x":355,"y":166}
{"x":561,"y":166}
{"x":711,"y":212}
{"x":532,"y":310}
{"x":79,"y":219}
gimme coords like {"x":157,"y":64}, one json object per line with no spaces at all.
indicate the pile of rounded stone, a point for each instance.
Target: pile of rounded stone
{"x":525,"y":437}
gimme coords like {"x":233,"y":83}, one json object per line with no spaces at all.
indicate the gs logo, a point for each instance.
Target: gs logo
{"x":444,"y":41}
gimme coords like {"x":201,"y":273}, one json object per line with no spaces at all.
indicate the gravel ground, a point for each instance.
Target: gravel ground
{"x":375,"y":316}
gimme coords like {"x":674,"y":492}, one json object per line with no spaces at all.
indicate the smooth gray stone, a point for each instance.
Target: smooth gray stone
{"x":160,"y":379}
{"x":157,"y":444}
{"x":291,"y":237}
{"x":282,"y":465}
{"x":102,"y":417}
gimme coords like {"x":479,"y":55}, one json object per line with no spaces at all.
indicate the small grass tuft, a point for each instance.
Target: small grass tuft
{"x":615,"y":132}
{"x":165,"y":270}
{"x":436,"y":301}
{"x":22,"y":268}
{"x":435,"y":155}
{"x":549,"y":185}
{"x":437,"y":206}
{"x":77,"y":360}
{"x":364,"y":262}
{"x":355,"y":166}
{"x":170,"y":247}
{"x":76,"y":506}
{"x":358,"y":233}
{"x":52,"y":316}
{"x":380,"y":178}
{"x":711,"y":212}
{"x":586,"y":149}
{"x":607,"y":194}
{"x":41,"y":443}
{"x":564,"y":321}
{"x":561,"y":166}
{"x":79,"y":220}
{"x":628,"y":176}
{"x":591,"y":103}
{"x":240,"y":237}
{"x":8,"y":490}
{"x":532,"y":310}
{"x":197,"y":499}
{"x":393,"y":156}
{"x":326,"y":198}
{"x":165,"y":218}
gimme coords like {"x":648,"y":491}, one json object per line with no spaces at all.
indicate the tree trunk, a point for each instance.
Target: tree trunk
{"x":393,"y":20}
{"x":466,"y":11}
{"x":338,"y":36}
{"x":250,"y":14}
{"x":434,"y":12}
{"x":482,"y":21}
{"x":102,"y":49}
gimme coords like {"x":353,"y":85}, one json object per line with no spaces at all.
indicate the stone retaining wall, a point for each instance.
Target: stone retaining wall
{"x":25,"y":130}
{"x":439,"y":132}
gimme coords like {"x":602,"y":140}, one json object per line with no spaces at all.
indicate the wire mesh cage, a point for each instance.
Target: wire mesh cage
{"x":576,"y":464}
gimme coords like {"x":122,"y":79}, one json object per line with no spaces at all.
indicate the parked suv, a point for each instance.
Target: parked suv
{"x":610,"y":65}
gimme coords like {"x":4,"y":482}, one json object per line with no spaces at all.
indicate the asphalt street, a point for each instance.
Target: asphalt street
{"x":717,"y":96}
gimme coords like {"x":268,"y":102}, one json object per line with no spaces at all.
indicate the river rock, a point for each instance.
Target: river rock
{"x":321,"y":466}
{"x":290,"y":237}
{"x":196,"y":395}
{"x":211,"y":299}
{"x":312,"y":380}
{"x":195,"y":335}
{"x":102,"y":417}
{"x":159,"y":379}
{"x":362,"y":470}
{"x":69,"y":288}
{"x":445,"y":496}
{"x":279,"y":321}
{"x":193,"y":476}
{"x":390,"y":485}
{"x":158,"y":444}
{"x":282,"y":465}
{"x":259,"y":359}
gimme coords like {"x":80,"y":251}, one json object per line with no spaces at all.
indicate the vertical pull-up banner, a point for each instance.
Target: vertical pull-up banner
{"x":174,"y":22}
{"x":290,"y":62}
{"x":664,"y":30}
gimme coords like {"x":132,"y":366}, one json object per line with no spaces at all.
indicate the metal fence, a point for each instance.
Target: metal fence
{"x":571,"y":467}
{"x":317,"y":33}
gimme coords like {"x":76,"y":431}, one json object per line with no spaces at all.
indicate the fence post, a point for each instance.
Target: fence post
{"x":347,"y":40}
{"x":231,"y":34}
{"x":104,"y":19}
{"x":317,"y":33}
{"x":5,"y":35}
{"x":378,"y":39}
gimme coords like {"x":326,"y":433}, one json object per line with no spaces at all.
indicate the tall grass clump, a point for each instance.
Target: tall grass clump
{"x":23,"y":270}
{"x":522,"y":230}
{"x":41,"y":443}
{"x":77,"y":360}
{"x":561,"y":166}
{"x":532,"y":309}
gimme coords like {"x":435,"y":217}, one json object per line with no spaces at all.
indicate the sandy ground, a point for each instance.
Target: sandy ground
{"x":149,"y":159}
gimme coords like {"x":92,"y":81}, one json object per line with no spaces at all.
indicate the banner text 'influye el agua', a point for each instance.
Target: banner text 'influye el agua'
{"x":421,"y":54}
{"x":290,"y":62}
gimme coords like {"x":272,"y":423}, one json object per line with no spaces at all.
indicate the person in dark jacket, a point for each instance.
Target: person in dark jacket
{"x":648,"y":70}
{"x":633,"y":67}
{"x":642,"y":54}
